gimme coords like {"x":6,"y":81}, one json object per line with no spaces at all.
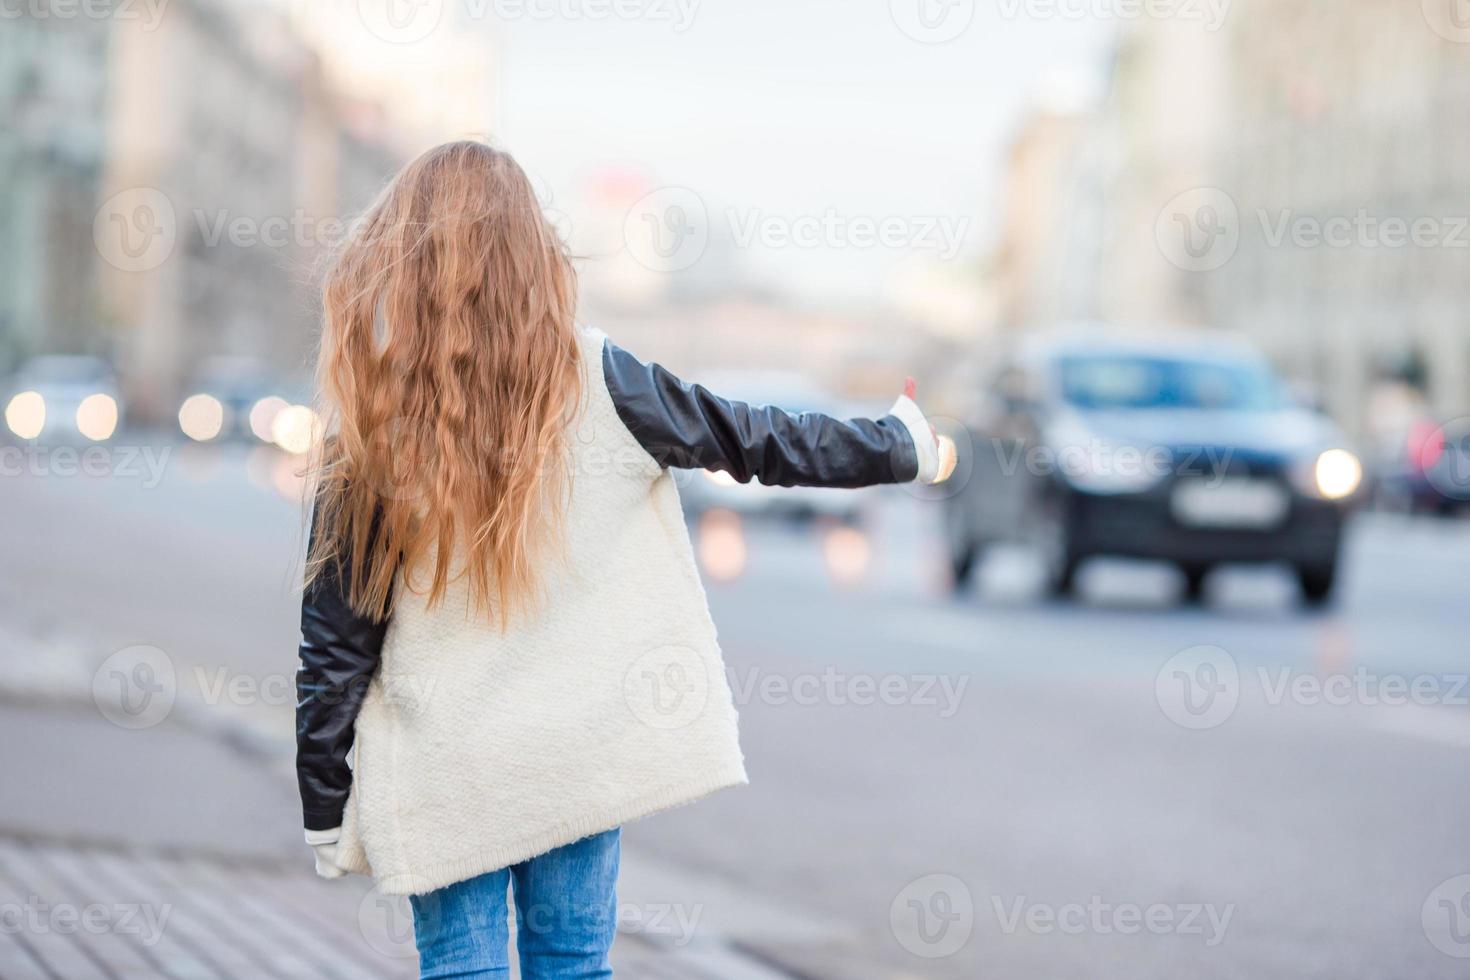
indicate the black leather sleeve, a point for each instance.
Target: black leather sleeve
{"x":339,"y":654}
{"x":688,"y":426}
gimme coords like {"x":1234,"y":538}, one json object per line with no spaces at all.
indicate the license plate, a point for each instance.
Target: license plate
{"x":1230,"y":504}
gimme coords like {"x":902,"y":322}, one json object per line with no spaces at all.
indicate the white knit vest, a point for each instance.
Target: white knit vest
{"x":478,"y":748}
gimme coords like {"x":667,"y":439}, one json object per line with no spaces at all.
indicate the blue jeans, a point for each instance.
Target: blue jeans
{"x":566,"y":917}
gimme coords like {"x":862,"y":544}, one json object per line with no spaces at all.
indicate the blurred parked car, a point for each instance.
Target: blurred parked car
{"x":1183,"y":447}
{"x":232,"y":398}
{"x":704,"y":490}
{"x":64,"y":398}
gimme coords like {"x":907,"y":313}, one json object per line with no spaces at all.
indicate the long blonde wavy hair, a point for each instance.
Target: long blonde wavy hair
{"x":449,"y":373}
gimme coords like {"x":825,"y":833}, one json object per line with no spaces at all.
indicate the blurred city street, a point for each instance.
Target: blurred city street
{"x":1195,"y":270}
{"x":991,"y":785}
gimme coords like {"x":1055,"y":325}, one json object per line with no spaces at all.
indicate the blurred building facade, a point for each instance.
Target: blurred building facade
{"x":242,"y":133}
{"x":53,"y":84}
{"x":1354,"y":114}
{"x":1296,"y":114}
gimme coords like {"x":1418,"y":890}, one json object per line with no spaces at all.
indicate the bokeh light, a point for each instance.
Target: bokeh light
{"x":97,"y":417}
{"x":201,"y":417}
{"x":25,"y":415}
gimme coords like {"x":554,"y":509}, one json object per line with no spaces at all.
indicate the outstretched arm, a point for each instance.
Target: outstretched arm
{"x":689,"y":426}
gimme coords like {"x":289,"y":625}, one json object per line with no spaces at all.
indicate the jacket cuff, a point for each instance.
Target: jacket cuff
{"x":315,"y":837}
{"x":322,"y":819}
{"x":925,"y":446}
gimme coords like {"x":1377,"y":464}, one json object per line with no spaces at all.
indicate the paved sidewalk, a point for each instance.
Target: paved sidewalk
{"x":172,"y":851}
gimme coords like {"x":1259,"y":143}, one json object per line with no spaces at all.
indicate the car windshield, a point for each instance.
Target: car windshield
{"x":1102,"y":382}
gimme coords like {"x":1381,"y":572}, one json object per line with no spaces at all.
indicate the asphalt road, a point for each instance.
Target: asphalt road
{"x":990,"y":786}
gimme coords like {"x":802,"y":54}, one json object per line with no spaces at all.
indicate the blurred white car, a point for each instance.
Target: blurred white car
{"x":703,"y":490}
{"x":64,"y":398}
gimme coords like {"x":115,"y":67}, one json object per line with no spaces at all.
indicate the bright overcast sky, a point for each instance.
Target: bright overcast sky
{"x":792,"y":107}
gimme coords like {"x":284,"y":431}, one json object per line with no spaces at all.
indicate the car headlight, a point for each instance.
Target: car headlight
{"x":25,"y":415}
{"x":97,"y":417}
{"x":201,"y":417}
{"x":1337,"y":474}
{"x":295,"y":428}
{"x":263,"y":416}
